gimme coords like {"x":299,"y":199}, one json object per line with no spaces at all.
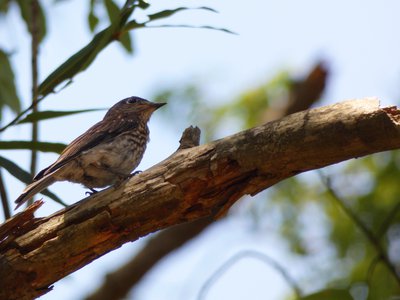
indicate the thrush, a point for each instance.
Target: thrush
{"x":105,"y":154}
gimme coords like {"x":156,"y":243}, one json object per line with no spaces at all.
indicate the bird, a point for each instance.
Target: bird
{"x":105,"y":154}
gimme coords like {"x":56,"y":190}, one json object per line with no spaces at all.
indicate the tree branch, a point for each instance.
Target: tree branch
{"x":371,"y":237}
{"x":269,"y":261}
{"x":117,"y":284}
{"x":4,"y":198}
{"x":303,"y":93}
{"x":34,"y":7}
{"x":191,"y":184}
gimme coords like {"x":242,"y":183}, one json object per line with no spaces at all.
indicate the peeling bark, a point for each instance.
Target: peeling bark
{"x":191,"y":184}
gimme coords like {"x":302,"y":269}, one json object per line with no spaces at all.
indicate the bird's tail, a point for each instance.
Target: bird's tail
{"x":34,"y":188}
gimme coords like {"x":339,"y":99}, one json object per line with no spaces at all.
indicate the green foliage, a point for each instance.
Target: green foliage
{"x":118,"y":29}
{"x":245,"y":111}
{"x":83,"y":58}
{"x":368,"y":187}
{"x":93,"y":20}
{"x":285,"y":201}
{"x":25,"y":177}
{"x":125,"y":38}
{"x":51,"y":114}
{"x":29,"y":145}
{"x":112,"y":10}
{"x":126,"y":42}
{"x":26,"y":13}
{"x":4,"y":5}
{"x":8,"y":92}
{"x":169,"y":12}
{"x":382,"y":284}
{"x":329,"y":294}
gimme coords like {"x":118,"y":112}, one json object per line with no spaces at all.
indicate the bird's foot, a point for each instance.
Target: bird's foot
{"x":134,"y":173}
{"x":92,"y":191}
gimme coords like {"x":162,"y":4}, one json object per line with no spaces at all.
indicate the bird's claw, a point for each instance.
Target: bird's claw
{"x":92,"y":191}
{"x":134,"y":173}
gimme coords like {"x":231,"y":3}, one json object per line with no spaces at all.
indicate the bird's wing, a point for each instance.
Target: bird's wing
{"x":99,"y":133}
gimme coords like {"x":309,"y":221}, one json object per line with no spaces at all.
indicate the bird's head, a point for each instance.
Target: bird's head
{"x":133,"y":107}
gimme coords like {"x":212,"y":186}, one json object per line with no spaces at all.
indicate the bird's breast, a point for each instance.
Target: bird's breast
{"x":109,"y":161}
{"x":124,"y":153}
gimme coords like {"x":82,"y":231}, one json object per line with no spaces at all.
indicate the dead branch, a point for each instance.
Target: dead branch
{"x":303,"y":94}
{"x":191,"y":184}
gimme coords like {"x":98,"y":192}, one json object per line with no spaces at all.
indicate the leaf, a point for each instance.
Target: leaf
{"x":112,"y":10}
{"x":169,"y":12}
{"x":26,"y":13}
{"x":76,"y":63}
{"x":29,"y":145}
{"x":329,"y":294}
{"x":126,"y":42}
{"x":192,"y":26}
{"x":50,"y":114}
{"x":25,"y":177}
{"x":8,"y":92}
{"x":143,"y":4}
{"x":124,"y":38}
{"x":93,"y":20}
{"x":84,"y":57}
{"x":4,"y":6}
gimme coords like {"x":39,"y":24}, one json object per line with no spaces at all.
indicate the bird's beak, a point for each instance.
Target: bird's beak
{"x":158,"y":105}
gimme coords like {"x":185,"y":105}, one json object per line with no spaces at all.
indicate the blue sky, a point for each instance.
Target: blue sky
{"x":359,"y":40}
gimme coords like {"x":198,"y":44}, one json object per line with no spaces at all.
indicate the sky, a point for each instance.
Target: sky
{"x":358,"y":39}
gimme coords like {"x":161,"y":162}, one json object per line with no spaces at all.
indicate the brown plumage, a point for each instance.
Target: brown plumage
{"x":106,"y":153}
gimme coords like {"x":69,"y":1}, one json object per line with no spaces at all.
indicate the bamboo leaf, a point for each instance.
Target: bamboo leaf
{"x":29,"y":145}
{"x":192,"y":26}
{"x":76,"y":63}
{"x":8,"y":92}
{"x":51,"y":114}
{"x":26,"y":13}
{"x":169,"y":12}
{"x":93,"y":20}
{"x":84,"y":57}
{"x":25,"y":177}
{"x":112,"y":10}
{"x":143,"y":4}
{"x":126,"y":42}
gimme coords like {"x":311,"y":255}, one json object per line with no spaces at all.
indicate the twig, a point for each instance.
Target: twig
{"x":382,"y":230}
{"x":386,"y":223}
{"x":375,"y":261}
{"x":374,"y":241}
{"x":34,"y":61}
{"x":254,"y":254}
{"x":4,"y":198}
{"x":18,"y":117}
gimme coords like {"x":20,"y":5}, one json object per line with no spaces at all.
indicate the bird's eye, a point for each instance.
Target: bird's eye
{"x":132,"y":100}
